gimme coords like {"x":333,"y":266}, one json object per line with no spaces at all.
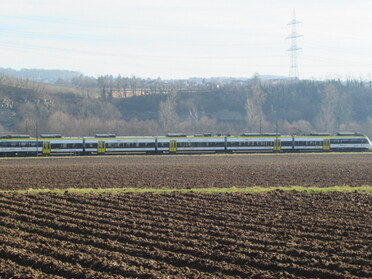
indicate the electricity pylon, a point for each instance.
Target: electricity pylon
{"x":293,"y":67}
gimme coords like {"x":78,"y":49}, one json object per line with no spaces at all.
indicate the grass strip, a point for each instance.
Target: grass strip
{"x":255,"y":189}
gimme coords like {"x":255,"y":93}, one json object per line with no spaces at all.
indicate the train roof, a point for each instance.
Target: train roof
{"x":15,"y":137}
{"x":318,"y":134}
{"x":51,"y":136}
{"x":174,"y":135}
{"x":105,"y":135}
{"x":260,"y":135}
{"x":349,"y":134}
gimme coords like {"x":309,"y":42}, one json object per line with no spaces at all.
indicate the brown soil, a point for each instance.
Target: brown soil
{"x":273,"y":235}
{"x":187,"y":171}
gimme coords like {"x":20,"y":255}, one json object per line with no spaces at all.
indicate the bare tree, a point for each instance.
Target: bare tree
{"x":326,"y":120}
{"x":106,"y":86}
{"x":61,"y":123}
{"x":2,"y":129}
{"x":194,"y":112}
{"x":254,"y":108}
{"x":297,"y":127}
{"x":167,"y":113}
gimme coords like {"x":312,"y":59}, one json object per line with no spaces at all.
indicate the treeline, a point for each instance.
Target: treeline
{"x":50,"y":76}
{"x":134,"y":106}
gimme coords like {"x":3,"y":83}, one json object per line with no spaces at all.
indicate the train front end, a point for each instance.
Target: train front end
{"x":369,"y":145}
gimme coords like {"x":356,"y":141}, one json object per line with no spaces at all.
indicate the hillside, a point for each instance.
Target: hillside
{"x":133,"y":106}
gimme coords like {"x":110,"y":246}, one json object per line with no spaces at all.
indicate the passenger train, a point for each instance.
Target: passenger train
{"x":55,"y":144}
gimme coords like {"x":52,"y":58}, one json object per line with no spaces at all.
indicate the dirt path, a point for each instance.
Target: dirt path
{"x":187,"y":171}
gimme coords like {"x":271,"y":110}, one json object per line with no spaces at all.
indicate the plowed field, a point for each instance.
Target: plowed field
{"x":187,"y":171}
{"x":273,"y":235}
{"x":186,"y":235}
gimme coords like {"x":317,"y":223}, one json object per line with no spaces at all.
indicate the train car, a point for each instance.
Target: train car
{"x":179,"y":143}
{"x":340,"y":142}
{"x":349,"y":142}
{"x":315,"y":142}
{"x":56,"y":144}
{"x":111,"y":144}
{"x":258,"y":143}
{"x":19,"y":145}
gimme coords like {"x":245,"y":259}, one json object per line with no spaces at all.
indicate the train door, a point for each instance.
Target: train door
{"x":277,"y":145}
{"x":101,"y":147}
{"x":326,"y":144}
{"x":172,"y":146}
{"x":46,"y":147}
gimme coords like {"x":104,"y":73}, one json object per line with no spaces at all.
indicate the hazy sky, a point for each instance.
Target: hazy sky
{"x":188,"y":38}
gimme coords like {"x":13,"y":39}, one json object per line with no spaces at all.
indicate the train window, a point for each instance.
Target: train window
{"x":166,"y":144}
{"x":184,"y":144}
{"x":19,"y":144}
{"x":307,"y":143}
{"x":286,"y":143}
{"x":195,"y":144}
{"x":349,"y":141}
{"x":301,"y":143}
{"x":74,"y":145}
